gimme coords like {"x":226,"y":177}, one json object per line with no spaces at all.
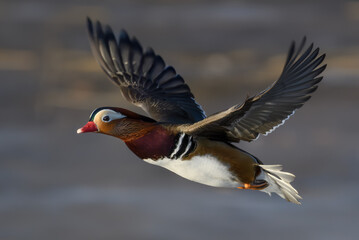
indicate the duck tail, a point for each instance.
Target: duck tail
{"x":279,"y":182}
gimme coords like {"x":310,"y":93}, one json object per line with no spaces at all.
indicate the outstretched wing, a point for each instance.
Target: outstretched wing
{"x":262,"y":113}
{"x":143,"y":77}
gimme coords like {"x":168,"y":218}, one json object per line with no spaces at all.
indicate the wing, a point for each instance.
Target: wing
{"x":143,"y":77}
{"x":262,"y":113}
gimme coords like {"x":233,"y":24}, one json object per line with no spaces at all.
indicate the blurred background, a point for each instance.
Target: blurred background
{"x":55,"y":184}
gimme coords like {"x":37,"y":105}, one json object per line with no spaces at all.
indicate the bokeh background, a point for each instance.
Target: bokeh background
{"x":55,"y":184}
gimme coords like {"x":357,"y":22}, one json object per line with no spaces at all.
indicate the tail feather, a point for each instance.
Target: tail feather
{"x":276,"y":170}
{"x":279,"y":183}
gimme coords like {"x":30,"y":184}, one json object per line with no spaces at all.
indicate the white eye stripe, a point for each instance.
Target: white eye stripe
{"x":108,"y":115}
{"x":114,"y":115}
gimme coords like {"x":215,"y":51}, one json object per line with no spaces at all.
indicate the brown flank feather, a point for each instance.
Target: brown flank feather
{"x":243,"y":165}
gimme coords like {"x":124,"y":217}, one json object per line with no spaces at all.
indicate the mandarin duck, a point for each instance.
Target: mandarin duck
{"x":179,"y":136}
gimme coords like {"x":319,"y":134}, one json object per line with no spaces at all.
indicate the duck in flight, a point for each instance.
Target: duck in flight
{"x":179,"y":136}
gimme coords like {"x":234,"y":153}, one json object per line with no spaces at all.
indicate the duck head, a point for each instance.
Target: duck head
{"x":118,"y":122}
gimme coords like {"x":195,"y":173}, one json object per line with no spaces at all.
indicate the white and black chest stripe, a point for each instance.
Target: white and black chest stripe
{"x":205,"y":169}
{"x":184,"y":145}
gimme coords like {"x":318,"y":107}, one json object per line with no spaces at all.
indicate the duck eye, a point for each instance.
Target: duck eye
{"x":106,"y":119}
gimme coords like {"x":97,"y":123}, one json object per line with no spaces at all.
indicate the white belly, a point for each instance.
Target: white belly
{"x":204,"y":169}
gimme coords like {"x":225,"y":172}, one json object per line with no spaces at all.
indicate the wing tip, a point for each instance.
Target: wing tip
{"x":123,"y":36}
{"x":89,"y":25}
{"x":88,"y":20}
{"x":304,"y":40}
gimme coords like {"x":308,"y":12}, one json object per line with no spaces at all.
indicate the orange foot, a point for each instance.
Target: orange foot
{"x":258,"y":186}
